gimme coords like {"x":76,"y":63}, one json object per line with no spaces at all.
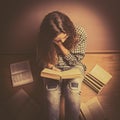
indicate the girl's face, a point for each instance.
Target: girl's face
{"x":61,"y":37}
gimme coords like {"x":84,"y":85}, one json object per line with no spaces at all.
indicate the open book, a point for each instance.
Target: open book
{"x":92,"y":110}
{"x":97,"y":78}
{"x":58,"y":75}
{"x":21,"y":73}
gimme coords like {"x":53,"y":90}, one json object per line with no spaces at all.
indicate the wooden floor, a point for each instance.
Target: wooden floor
{"x":110,"y":62}
{"x":109,"y":96}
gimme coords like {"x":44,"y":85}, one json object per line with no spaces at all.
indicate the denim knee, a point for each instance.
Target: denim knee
{"x":53,"y":94}
{"x":72,"y":99}
{"x":74,"y":85}
{"x":52,"y":89}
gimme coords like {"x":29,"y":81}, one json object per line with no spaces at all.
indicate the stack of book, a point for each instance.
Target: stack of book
{"x":97,"y":78}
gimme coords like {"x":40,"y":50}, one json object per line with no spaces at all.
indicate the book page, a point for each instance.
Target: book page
{"x":68,"y":74}
{"x":49,"y":73}
{"x":86,"y":113}
{"x":19,"y":67}
{"x":72,"y":73}
{"x":21,"y":73}
{"x":96,"y":109}
{"x":99,"y":73}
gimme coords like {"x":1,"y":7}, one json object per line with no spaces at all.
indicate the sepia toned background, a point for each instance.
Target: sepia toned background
{"x":19,"y":27}
{"x":20,"y":21}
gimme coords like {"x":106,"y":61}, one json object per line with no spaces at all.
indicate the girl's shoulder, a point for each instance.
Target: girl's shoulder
{"x":80,"y":32}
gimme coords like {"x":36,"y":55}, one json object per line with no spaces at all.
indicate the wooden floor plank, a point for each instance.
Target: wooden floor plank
{"x":109,"y":97}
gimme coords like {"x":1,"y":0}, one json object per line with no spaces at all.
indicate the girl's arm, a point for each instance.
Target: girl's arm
{"x":75,"y":56}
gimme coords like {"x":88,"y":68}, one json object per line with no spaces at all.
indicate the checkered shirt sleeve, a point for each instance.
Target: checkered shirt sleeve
{"x":77,"y":54}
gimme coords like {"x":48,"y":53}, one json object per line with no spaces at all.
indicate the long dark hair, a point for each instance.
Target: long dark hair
{"x":53,"y":24}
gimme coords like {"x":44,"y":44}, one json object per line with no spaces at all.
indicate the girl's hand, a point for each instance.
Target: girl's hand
{"x":60,"y":39}
{"x":58,"y":43}
{"x":56,"y":69}
{"x":51,"y":66}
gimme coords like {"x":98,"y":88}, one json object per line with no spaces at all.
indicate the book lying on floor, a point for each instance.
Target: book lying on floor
{"x":21,"y":73}
{"x":58,"y":75}
{"x":97,"y":78}
{"x":92,"y":110}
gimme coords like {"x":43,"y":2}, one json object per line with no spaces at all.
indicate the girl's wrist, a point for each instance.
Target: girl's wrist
{"x":50,"y":66}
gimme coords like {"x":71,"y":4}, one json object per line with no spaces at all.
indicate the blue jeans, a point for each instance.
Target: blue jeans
{"x":71,"y":91}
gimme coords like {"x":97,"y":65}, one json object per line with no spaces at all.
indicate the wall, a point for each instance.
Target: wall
{"x":20,"y":21}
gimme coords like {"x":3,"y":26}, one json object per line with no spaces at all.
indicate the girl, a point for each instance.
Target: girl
{"x":61,"y":46}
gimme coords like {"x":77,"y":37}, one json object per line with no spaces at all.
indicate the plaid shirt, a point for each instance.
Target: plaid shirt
{"x":76,"y":55}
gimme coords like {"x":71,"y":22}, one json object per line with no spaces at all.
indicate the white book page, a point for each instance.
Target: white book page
{"x":71,"y":72}
{"x":52,"y":72}
{"x":21,"y":73}
{"x":99,"y":73}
